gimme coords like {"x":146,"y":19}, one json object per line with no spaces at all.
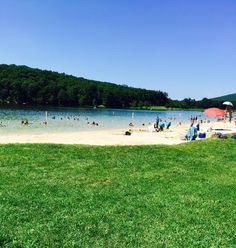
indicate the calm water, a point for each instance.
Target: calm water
{"x":75,"y":119}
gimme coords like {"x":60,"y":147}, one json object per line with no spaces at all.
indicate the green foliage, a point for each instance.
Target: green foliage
{"x":230,"y":97}
{"x":189,"y":103}
{"x":24,"y":85}
{"x":138,"y":196}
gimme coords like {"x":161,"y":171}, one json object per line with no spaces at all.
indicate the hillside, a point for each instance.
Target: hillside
{"x":230,"y":97}
{"x":24,"y":85}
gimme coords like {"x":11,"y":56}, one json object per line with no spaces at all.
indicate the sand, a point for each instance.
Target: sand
{"x":175,"y":135}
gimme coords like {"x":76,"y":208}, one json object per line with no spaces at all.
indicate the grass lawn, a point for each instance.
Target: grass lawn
{"x":140,"y":196}
{"x":165,"y":108}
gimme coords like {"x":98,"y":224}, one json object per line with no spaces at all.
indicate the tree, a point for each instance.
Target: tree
{"x":62,"y":97}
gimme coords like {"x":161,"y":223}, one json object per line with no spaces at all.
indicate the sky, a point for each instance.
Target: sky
{"x":186,"y":48}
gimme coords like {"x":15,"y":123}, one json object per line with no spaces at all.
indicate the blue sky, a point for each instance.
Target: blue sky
{"x":184,"y":47}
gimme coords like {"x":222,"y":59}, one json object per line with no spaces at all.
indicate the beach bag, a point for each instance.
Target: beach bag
{"x":202,"y":135}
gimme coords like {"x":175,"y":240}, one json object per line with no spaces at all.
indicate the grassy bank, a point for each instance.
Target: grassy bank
{"x":149,"y":196}
{"x":165,"y":108}
{"x":157,"y":108}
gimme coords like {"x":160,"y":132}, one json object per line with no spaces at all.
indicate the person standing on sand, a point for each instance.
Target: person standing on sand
{"x":157,"y":122}
{"x":230,"y":115}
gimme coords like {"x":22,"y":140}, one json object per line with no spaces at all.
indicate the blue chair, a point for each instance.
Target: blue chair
{"x":192,"y":133}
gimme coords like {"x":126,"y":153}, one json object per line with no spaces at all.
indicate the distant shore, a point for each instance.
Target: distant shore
{"x":42,"y":107}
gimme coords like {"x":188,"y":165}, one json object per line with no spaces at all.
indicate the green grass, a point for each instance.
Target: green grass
{"x":165,"y":108}
{"x":141,"y":196}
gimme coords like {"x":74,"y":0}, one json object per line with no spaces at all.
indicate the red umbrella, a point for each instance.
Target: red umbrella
{"x":214,"y":112}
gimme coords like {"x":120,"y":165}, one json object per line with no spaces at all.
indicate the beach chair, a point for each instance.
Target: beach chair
{"x":161,"y":126}
{"x":168,"y":125}
{"x":192,"y":133}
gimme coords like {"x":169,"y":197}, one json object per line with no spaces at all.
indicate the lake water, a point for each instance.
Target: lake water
{"x":76,"y":119}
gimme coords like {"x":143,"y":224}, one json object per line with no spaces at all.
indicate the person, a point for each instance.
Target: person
{"x":2,"y":125}
{"x":230,"y":115}
{"x":192,"y":133}
{"x":157,"y":122}
{"x":161,"y":126}
{"x":25,"y":122}
{"x":168,"y":124}
{"x":197,"y":126}
{"x":128,"y":133}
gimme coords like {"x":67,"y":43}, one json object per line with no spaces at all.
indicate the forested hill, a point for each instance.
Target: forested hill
{"x":24,"y":85}
{"x":231,"y":97}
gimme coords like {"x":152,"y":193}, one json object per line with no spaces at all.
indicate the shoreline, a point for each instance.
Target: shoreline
{"x":48,"y":108}
{"x":113,"y":137}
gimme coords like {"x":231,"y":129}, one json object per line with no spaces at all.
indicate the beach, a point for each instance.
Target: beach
{"x":139,"y":136}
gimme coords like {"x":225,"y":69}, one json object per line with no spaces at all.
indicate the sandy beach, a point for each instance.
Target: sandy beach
{"x":175,"y":135}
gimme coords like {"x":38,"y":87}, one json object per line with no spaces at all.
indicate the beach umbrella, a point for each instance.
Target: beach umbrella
{"x":214,"y":112}
{"x":228,"y":103}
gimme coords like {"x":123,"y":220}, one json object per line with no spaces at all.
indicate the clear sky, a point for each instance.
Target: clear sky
{"x":184,"y":47}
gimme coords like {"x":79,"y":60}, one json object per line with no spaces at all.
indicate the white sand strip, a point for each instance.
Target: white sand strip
{"x":112,"y":137}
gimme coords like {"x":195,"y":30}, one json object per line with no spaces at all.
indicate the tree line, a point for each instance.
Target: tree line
{"x":189,"y":103}
{"x":22,"y":85}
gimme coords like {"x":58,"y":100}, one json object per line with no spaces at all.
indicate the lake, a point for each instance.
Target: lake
{"x":76,"y":119}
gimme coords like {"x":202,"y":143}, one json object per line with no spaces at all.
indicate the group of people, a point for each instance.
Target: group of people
{"x":160,"y":124}
{"x":193,"y":118}
{"x":157,"y":126}
{"x":77,"y":118}
{"x":25,"y":122}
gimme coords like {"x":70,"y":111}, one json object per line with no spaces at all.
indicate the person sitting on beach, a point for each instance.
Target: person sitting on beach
{"x":128,"y":133}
